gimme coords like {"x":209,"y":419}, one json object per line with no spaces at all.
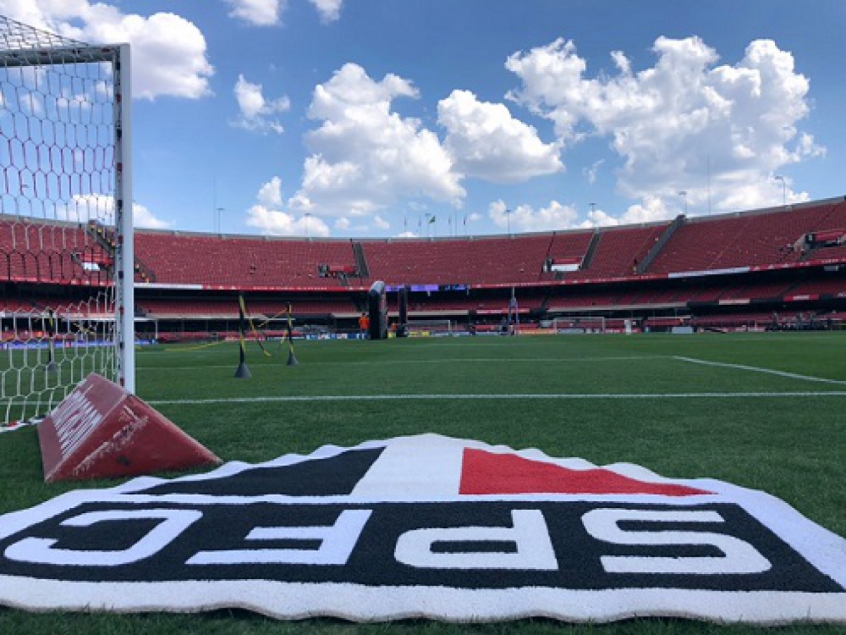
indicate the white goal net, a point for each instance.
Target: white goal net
{"x":66,"y":259}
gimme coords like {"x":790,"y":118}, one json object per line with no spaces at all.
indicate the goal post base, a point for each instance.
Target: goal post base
{"x":102,"y":431}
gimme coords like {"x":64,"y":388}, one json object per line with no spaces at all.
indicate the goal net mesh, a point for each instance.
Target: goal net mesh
{"x":58,"y":237}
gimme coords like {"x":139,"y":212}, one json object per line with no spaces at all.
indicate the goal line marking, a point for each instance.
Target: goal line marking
{"x":498,"y":396}
{"x":757,"y":369}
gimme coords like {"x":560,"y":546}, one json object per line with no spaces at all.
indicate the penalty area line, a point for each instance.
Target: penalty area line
{"x":496,"y":397}
{"x":757,"y":369}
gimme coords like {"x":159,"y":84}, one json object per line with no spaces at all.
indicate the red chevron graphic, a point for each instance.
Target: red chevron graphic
{"x":489,"y":473}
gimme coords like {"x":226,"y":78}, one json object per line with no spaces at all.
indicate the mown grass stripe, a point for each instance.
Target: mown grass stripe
{"x":448,"y":360}
{"x":511,"y":396}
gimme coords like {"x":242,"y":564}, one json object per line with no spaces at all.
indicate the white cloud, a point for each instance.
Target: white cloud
{"x":143,"y":217}
{"x":269,"y":12}
{"x":257,"y":113}
{"x":168,"y":51}
{"x":278,"y":223}
{"x":651,"y":210}
{"x":257,"y":12}
{"x":487,"y":142}
{"x":329,"y":10}
{"x":681,"y":120}
{"x":555,"y":216}
{"x":101,"y":207}
{"x":270,"y":194}
{"x":381,"y":223}
{"x":524,"y":218}
{"x":269,"y":216}
{"x":366,"y":157}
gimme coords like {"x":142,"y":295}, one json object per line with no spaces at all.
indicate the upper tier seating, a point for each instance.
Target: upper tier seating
{"x":44,"y":252}
{"x":619,"y":250}
{"x":459,"y":261}
{"x":241,"y":262}
{"x":748,"y":239}
{"x":61,"y":253}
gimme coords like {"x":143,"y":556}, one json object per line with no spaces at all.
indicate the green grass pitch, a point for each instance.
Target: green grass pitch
{"x":765,"y":411}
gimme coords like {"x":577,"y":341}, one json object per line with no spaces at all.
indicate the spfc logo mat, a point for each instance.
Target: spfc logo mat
{"x":426,"y":526}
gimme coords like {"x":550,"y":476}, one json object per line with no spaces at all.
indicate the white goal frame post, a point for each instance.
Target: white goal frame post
{"x":35,"y":64}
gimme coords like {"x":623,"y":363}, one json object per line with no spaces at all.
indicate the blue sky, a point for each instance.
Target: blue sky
{"x":373,"y":117}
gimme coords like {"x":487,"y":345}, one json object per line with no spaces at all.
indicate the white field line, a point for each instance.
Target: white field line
{"x":757,"y":369}
{"x":499,"y":397}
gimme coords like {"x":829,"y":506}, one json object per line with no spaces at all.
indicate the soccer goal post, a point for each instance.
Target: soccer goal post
{"x":579,"y":324}
{"x":66,"y":239}
{"x":431,"y":327}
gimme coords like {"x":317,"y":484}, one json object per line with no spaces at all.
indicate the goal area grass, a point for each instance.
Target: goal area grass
{"x":761,"y":410}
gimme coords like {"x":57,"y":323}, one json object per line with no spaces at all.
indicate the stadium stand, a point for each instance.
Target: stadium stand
{"x":423,"y":305}
{"x":238,"y":262}
{"x":569,"y":247}
{"x":491,"y":260}
{"x":228,"y":307}
{"x":774,"y":260}
{"x":823,"y":286}
{"x":747,"y":239}
{"x":619,"y":250}
{"x":45,"y":253}
{"x":757,"y":290}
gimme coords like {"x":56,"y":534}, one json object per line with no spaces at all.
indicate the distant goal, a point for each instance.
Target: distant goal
{"x":422,"y":328}
{"x":579,"y":324}
{"x":66,"y":257}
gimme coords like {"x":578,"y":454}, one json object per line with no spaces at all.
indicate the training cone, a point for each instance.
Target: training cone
{"x":242,"y":372}
{"x":292,"y":359}
{"x":101,"y":430}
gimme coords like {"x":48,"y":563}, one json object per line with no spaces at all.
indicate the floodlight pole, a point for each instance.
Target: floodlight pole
{"x":683,"y":194}
{"x":778,"y":177}
{"x":219,"y":225}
